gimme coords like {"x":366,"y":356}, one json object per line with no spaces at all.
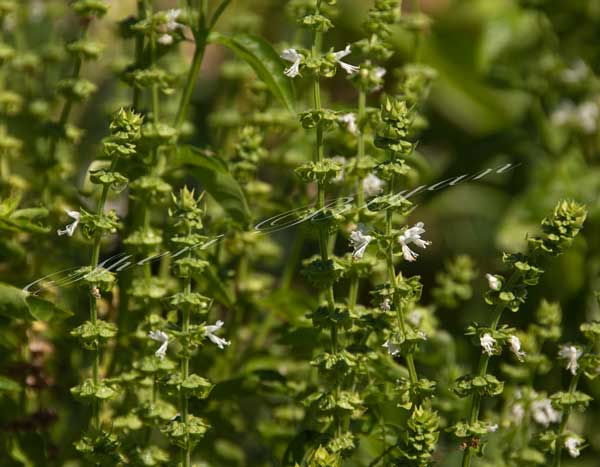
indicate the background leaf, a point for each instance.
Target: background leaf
{"x":211,"y":171}
{"x":44,"y":310}
{"x":17,"y":304}
{"x":12,"y":302}
{"x":8,"y":385}
{"x":265,"y":61}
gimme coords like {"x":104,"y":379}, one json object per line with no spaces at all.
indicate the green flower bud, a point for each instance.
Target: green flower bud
{"x":76,"y":89}
{"x":96,"y":8}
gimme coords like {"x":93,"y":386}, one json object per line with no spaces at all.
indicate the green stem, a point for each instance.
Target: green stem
{"x":191,"y":80}
{"x":93,"y":305}
{"x":292,"y":261}
{"x":68,"y":105}
{"x":126,"y":276}
{"x":482,"y":369}
{"x":362,"y":100}
{"x":4,"y":165}
{"x":418,"y":34}
{"x":186,"y":452}
{"x":353,"y":293}
{"x":323,"y":243}
{"x":396,"y":303}
{"x":563,"y":424}
{"x":142,"y":8}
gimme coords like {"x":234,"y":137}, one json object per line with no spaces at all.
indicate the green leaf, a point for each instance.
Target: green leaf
{"x":220,"y":291}
{"x":215,"y":178}
{"x":12,"y":302}
{"x":17,"y":304}
{"x":265,"y":61}
{"x":8,"y":385}
{"x":44,"y":310}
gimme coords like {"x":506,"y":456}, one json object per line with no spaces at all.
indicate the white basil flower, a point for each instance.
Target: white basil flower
{"x":576,"y":73}
{"x":70,"y":229}
{"x":587,"y":116}
{"x":210,"y":330}
{"x":515,"y":347}
{"x":385,"y":305}
{"x":572,"y":445}
{"x":412,"y":235}
{"x":415,"y":317}
{"x":563,"y":113}
{"x":493,"y":282}
{"x":172,"y":16}
{"x":571,"y":354}
{"x":160,"y":336}
{"x":517,"y":413}
{"x":392,"y":349}
{"x":165,"y":39}
{"x":292,"y":55}
{"x":487,"y":343}
{"x":350,"y":121}
{"x":543,"y":412}
{"x":380,"y":72}
{"x":372,"y":185}
{"x":359,"y":241}
{"x":492,"y":428}
{"x":37,"y":9}
{"x":342,"y":161}
{"x":350,"y":69}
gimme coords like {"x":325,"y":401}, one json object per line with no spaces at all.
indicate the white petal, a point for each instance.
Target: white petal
{"x":372,"y":185}
{"x":421,"y":243}
{"x":165,"y":39}
{"x":350,"y":69}
{"x":572,"y":445}
{"x":214,"y":327}
{"x":493,"y":282}
{"x":162,"y":350}
{"x":380,"y":72}
{"x":172,"y":16}
{"x":159,"y":336}
{"x":221,"y":343}
{"x":350,"y":120}
{"x":391,"y":348}
{"x":73,"y":214}
{"x":292,"y":71}
{"x":408,"y":254}
{"x":291,"y":55}
{"x":342,"y":53}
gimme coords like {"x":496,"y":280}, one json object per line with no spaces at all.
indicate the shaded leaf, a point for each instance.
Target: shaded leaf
{"x":265,"y":61}
{"x":219,"y":290}
{"x":44,"y":310}
{"x":12,"y":302}
{"x":8,"y":385}
{"x":17,"y":304}
{"x":215,"y":178}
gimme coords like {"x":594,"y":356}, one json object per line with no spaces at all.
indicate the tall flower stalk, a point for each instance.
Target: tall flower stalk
{"x":125,"y":132}
{"x":336,"y":364}
{"x":186,"y":431}
{"x":580,"y":361}
{"x":369,"y":79}
{"x":398,"y":294}
{"x":559,"y":231}
{"x":74,"y":88}
{"x":200,"y":30}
